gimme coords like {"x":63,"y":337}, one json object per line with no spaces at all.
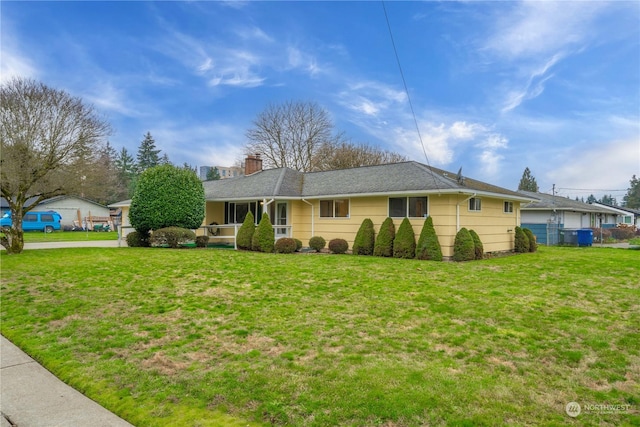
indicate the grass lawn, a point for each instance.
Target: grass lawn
{"x":68,"y":236}
{"x":210,"y":337}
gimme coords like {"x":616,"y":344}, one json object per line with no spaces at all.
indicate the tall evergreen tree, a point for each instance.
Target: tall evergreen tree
{"x":528,"y":182}
{"x":609,"y":200}
{"x":213,"y":174}
{"x":127,"y":172}
{"x":148,"y":155}
{"x":632,"y":198}
{"x":591,"y":199}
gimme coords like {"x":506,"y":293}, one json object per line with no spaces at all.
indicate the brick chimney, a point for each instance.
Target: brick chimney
{"x":252,"y":164}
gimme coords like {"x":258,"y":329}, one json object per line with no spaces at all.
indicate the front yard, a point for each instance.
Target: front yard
{"x":209,"y":337}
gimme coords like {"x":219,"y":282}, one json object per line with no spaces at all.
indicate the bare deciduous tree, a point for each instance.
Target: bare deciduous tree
{"x":47,"y":139}
{"x":290,"y":134}
{"x":346,"y":155}
{"x":300,"y":135}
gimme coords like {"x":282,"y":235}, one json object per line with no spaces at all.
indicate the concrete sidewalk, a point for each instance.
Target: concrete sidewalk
{"x":31,"y":396}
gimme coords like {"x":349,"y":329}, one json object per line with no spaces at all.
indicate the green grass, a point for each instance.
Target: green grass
{"x":209,"y":337}
{"x":635,"y":241}
{"x":68,"y":236}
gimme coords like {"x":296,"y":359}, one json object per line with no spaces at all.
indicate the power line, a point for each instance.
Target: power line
{"x":406,"y":90}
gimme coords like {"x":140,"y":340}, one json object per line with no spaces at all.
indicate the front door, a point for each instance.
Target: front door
{"x":281,"y":219}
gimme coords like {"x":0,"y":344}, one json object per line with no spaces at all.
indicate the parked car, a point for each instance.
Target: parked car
{"x":35,"y":221}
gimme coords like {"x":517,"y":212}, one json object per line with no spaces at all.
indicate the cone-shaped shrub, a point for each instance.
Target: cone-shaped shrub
{"x":477,"y":244}
{"x":264,"y":237}
{"x":365,"y":239}
{"x":533,"y":246}
{"x":428,"y":246}
{"x":384,"y":240}
{"x":463,"y":247}
{"x":521,"y":243}
{"x":245,"y":232}
{"x":404,"y":244}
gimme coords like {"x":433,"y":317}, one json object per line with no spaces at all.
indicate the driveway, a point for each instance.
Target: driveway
{"x":78,"y":244}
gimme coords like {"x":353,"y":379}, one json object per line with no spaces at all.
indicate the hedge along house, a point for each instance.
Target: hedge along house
{"x":333,"y":204}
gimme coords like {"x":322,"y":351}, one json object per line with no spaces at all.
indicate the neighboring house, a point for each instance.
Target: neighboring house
{"x":333,"y":204}
{"x":548,"y":213}
{"x":622,"y":215}
{"x":73,"y":209}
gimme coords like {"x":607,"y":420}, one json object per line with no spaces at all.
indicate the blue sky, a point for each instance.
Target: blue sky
{"x":495,"y":86}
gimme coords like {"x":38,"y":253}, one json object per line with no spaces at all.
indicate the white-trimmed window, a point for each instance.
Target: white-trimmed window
{"x":334,"y":208}
{"x":475,"y":204}
{"x":410,"y":207}
{"x":508,"y":207}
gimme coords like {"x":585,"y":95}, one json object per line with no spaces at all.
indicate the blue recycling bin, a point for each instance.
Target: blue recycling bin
{"x":585,"y":237}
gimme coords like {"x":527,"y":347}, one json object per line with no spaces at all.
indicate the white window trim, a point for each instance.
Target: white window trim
{"x":407,"y":205}
{"x":334,"y":209}
{"x":512,"y":208}
{"x":469,"y":204}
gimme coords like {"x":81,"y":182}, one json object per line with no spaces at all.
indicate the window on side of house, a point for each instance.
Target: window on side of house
{"x":475,"y":204}
{"x":508,"y":207}
{"x":411,"y":207}
{"x":335,"y":208}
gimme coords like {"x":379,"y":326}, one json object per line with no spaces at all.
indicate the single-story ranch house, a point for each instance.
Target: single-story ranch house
{"x":333,"y":204}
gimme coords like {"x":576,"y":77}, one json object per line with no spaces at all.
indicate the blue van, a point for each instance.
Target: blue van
{"x":35,"y":221}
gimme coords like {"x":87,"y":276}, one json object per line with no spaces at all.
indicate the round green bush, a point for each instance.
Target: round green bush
{"x":167,"y":196}
{"x":404,"y":244}
{"x":317,"y":243}
{"x":365,"y":239}
{"x":264,"y":237}
{"x":428,"y":246}
{"x":533,"y":246}
{"x":172,"y":236}
{"x":298,"y":244}
{"x":338,"y":246}
{"x":521,"y":242}
{"x":384,"y":240}
{"x":245,"y":232}
{"x":136,"y":239}
{"x":463,"y":247}
{"x":202,"y":241}
{"x":477,"y":244}
{"x":285,"y":245}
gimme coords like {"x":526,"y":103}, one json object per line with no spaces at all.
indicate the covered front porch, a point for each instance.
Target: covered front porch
{"x":223,"y":219}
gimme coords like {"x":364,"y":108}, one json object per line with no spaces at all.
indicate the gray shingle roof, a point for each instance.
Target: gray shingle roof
{"x":405,"y":177}
{"x":548,"y":201}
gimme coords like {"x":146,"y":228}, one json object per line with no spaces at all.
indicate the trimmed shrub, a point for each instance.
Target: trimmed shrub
{"x":136,"y":239}
{"x":365,"y":239}
{"x":202,"y":241}
{"x":264,"y":237}
{"x":172,"y":236}
{"x":285,"y":245}
{"x":317,"y":243}
{"x":338,"y":246}
{"x":477,"y":244}
{"x":245,"y":232}
{"x":521,"y":243}
{"x":384,"y":240}
{"x":428,"y":246}
{"x":298,"y":244}
{"x":463,"y":247}
{"x":533,"y":246}
{"x":404,"y":244}
{"x":167,"y":196}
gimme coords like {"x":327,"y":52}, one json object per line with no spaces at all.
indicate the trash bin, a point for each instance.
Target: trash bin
{"x":569,"y":237}
{"x":585,"y":237}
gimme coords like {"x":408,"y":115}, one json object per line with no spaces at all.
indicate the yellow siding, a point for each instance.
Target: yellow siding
{"x":495,"y":228}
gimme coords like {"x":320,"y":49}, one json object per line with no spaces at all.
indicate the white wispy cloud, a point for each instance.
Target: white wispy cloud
{"x":535,"y":28}
{"x":14,"y":61}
